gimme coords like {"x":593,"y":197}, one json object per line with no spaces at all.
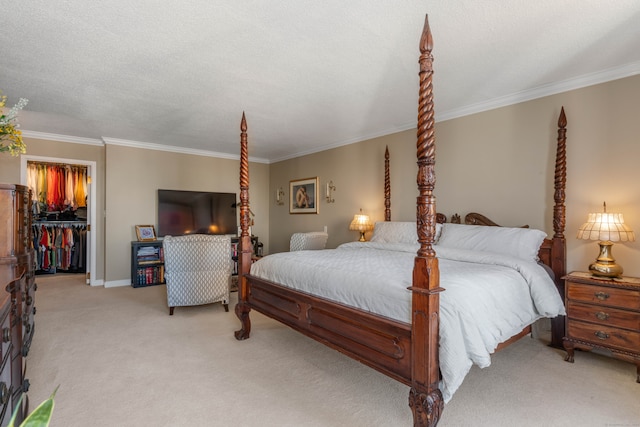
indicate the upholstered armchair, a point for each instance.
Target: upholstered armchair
{"x":308,"y":241}
{"x":198,"y":270}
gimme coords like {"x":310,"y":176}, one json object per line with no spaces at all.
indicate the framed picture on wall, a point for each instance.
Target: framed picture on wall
{"x":303,"y":196}
{"x":145,"y":233}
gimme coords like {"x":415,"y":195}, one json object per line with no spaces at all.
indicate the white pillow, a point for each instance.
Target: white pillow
{"x":398,"y":232}
{"x":519,"y":242}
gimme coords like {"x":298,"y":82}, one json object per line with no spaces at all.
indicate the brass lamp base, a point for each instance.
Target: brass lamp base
{"x":362,"y":239}
{"x":605,"y":265}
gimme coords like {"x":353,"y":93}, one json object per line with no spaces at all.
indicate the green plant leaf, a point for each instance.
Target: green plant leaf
{"x":40,"y":417}
{"x":15,"y":412}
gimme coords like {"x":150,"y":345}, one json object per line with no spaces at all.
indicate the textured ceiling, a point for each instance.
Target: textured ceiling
{"x":310,"y":75}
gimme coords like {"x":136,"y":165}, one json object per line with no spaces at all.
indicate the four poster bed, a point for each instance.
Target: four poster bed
{"x":402,"y":329}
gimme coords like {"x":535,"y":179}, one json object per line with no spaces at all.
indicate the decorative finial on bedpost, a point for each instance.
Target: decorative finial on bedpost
{"x":426,"y":46}
{"x":562,"y":120}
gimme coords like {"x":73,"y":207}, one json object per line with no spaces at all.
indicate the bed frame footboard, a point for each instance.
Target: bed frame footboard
{"x":383,"y":344}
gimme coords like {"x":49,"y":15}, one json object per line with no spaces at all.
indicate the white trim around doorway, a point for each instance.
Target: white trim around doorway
{"x":91,"y":206}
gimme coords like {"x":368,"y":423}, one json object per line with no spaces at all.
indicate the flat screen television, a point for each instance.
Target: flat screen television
{"x":196,"y":212}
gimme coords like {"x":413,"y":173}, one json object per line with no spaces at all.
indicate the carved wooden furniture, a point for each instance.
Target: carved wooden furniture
{"x":198,"y":269}
{"x":6,"y":349}
{"x":17,"y":276}
{"x":603,"y":314}
{"x":405,"y":352}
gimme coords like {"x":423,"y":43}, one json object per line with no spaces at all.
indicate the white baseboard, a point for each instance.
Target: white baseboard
{"x":116,"y":283}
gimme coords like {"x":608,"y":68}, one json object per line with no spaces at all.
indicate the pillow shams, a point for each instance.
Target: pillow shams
{"x":398,"y":232}
{"x":520,"y":242}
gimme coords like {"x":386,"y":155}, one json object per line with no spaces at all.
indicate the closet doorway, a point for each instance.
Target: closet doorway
{"x":62,"y":219}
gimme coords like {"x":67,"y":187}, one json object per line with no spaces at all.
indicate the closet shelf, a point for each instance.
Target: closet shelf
{"x":56,"y":222}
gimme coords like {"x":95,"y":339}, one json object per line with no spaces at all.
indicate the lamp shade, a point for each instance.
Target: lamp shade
{"x":606,"y":227}
{"x":361,"y":223}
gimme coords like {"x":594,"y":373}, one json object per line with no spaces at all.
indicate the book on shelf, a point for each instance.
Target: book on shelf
{"x":147,"y":262}
{"x":150,"y":275}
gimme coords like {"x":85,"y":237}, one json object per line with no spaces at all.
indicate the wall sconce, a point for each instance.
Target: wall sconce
{"x":607,"y":228}
{"x":279,"y":196}
{"x":329,"y":192}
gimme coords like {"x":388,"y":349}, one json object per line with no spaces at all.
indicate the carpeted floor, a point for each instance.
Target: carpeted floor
{"x":121,"y":360}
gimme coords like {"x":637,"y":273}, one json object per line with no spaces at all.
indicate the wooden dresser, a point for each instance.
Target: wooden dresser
{"x":604,"y":314}
{"x":17,"y":277}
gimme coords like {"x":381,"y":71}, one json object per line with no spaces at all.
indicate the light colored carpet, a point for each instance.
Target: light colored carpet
{"x":121,"y":360}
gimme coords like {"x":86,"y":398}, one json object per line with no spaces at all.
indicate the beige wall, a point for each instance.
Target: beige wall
{"x":499,"y":163}
{"x":135,"y":175}
{"x":357,"y":171}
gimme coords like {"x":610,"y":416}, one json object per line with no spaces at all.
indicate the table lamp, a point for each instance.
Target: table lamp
{"x":361,"y":223}
{"x":607,"y":228}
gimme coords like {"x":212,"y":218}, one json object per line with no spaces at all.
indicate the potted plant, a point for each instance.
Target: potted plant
{"x":10,"y":134}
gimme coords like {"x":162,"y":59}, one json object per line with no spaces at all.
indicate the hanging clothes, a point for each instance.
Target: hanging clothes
{"x":57,"y":187}
{"x":59,"y":233}
{"x":60,"y":247}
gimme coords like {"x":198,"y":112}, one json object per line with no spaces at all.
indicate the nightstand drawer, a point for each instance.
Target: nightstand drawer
{"x":604,"y":315}
{"x":604,"y":336}
{"x":612,"y":297}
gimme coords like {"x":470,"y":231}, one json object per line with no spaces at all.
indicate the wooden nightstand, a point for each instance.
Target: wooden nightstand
{"x":603,"y":313}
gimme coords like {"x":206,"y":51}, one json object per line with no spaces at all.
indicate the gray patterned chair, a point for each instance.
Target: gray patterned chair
{"x":198,"y":270}
{"x":308,"y":241}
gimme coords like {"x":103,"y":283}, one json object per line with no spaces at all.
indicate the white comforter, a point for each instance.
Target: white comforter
{"x":488,"y":298}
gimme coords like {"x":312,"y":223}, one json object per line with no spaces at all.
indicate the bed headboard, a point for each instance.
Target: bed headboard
{"x":552,"y":251}
{"x":545,"y":253}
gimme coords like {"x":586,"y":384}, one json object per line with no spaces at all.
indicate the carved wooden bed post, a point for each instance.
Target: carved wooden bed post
{"x":425,"y":398}
{"x":244,"y":255}
{"x":559,"y":245}
{"x":387,"y":186}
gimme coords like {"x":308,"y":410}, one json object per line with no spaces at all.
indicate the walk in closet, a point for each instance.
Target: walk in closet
{"x":59,"y":195}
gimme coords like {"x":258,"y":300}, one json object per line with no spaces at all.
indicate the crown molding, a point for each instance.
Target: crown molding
{"x":61,"y":138}
{"x":555,"y":88}
{"x":135,"y":144}
{"x":173,"y":149}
